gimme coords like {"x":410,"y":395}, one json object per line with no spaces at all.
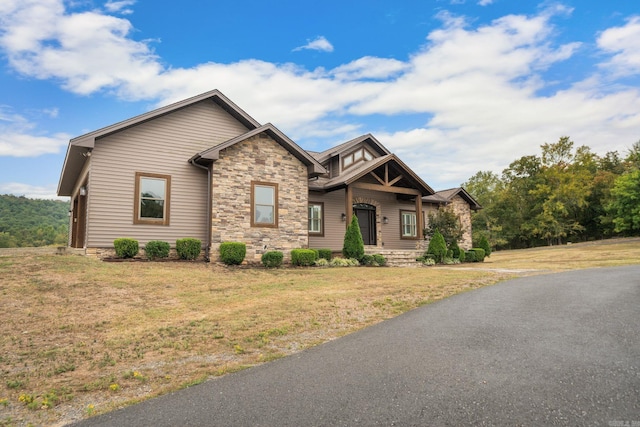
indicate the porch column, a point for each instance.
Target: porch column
{"x":419,"y":223}
{"x":348,"y":204}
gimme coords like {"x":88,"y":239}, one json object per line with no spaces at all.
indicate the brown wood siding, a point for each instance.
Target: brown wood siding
{"x":334,"y":227}
{"x":163,"y":146}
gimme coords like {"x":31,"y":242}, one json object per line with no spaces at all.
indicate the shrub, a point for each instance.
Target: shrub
{"x":232,"y":253}
{"x":188,"y":248}
{"x":353,"y":246}
{"x":437,"y":247}
{"x":157,"y":249}
{"x":324,"y":254}
{"x":470,"y":256}
{"x":455,"y":250}
{"x":380,"y":260}
{"x":303,"y":257}
{"x":272,"y":259}
{"x":321,"y":262}
{"x":126,"y":247}
{"x":426,"y":260}
{"x":479,"y":254}
{"x":367,"y":260}
{"x":484,"y":244}
{"x":344,"y":262}
{"x":461,"y":255}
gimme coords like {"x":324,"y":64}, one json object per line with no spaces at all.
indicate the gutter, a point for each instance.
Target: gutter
{"x":207,"y":249}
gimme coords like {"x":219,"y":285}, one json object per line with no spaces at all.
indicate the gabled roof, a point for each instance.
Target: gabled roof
{"x":445,"y":196}
{"x":79,"y":146}
{"x":354,"y":175}
{"x":346,"y":146}
{"x":212,"y":154}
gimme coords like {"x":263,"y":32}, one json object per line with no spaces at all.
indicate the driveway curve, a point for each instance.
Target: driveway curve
{"x":560,"y":349}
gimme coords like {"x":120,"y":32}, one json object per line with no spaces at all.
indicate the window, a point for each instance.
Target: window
{"x":264,"y":204}
{"x":316,"y":218}
{"x":408,"y":228}
{"x":152,"y":199}
{"x":355,"y":157}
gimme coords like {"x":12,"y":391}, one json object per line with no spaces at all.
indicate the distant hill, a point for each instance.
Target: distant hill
{"x":32,"y":222}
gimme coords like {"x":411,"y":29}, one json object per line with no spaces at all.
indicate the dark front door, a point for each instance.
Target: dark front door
{"x":366,"y":215}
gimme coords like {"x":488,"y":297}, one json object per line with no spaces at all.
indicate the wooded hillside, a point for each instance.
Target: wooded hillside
{"x":566,"y":194}
{"x":32,"y":222}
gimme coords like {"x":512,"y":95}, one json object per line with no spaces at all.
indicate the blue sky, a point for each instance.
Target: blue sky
{"x":451,"y":86}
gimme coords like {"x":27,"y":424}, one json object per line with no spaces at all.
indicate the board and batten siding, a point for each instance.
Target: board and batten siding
{"x":160,"y":146}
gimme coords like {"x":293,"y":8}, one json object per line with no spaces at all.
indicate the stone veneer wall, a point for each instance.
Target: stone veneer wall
{"x":462,"y":209}
{"x":259,"y":158}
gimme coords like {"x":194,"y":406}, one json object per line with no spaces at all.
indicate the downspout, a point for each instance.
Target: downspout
{"x":207,"y":249}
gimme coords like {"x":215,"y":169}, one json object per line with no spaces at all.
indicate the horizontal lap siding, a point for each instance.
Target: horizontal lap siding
{"x":162,"y":146}
{"x":334,"y":227}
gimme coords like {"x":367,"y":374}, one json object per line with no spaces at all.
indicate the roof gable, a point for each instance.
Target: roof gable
{"x":347,"y":146}
{"x":79,"y":147}
{"x":212,"y":154}
{"x":445,"y":196}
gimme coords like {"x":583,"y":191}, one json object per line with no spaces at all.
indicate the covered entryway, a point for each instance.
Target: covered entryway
{"x":366,"y":215}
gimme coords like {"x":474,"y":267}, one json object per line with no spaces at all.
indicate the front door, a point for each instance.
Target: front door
{"x":366,"y":215}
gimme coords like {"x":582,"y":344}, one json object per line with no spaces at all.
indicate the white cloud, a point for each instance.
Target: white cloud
{"x":624,"y":43}
{"x":30,"y":191}
{"x":17,"y":138}
{"x":120,"y":6}
{"x":319,"y":43}
{"x":485,"y":2}
{"x":478,"y":87}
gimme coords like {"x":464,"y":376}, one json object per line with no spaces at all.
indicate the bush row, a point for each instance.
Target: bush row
{"x":187,"y":248}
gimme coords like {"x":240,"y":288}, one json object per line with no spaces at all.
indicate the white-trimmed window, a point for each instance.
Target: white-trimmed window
{"x":264,"y":204}
{"x":408,"y":226}
{"x":316,"y":218}
{"x":152,"y":199}
{"x":355,"y":157}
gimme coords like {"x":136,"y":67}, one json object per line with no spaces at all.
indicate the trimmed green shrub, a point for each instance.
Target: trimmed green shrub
{"x":479,"y":254}
{"x":484,"y":244}
{"x":188,"y":248}
{"x":462,"y":256}
{"x":353,"y":246}
{"x":367,"y":260}
{"x":325,"y":254}
{"x":157,"y":249}
{"x":303,"y":257}
{"x":232,"y":253}
{"x":126,"y":247}
{"x":437,"y":247}
{"x":272,"y":259}
{"x":470,"y":256}
{"x":380,"y":260}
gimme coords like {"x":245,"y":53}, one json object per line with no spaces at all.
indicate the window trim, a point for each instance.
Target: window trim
{"x":321,"y":232}
{"x":165,"y":220}
{"x":274,"y":185}
{"x":402,"y":225}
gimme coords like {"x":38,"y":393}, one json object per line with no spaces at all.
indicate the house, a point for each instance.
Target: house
{"x":204,"y":168}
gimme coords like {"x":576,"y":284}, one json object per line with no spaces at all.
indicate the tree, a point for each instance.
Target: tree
{"x":625,"y":203}
{"x":447,"y":223}
{"x":486,"y":188}
{"x":353,"y":246}
{"x":484,"y":244}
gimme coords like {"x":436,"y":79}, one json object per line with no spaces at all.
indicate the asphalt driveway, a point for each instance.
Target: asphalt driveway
{"x":561,"y":349}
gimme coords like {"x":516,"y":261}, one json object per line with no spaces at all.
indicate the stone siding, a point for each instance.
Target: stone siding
{"x":462,"y":209}
{"x":259,"y":158}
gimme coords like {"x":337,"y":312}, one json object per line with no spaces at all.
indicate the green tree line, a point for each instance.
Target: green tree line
{"x":32,"y":222}
{"x":565,"y":194}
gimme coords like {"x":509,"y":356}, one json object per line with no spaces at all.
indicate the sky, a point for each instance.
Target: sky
{"x":452,"y":87}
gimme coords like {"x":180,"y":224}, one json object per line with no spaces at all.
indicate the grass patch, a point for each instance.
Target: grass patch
{"x":96,"y":335}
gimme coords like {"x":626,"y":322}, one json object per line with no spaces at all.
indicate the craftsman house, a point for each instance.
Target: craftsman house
{"x":204,"y":168}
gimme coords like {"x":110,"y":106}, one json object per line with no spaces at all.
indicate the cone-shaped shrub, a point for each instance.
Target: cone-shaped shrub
{"x":437,"y":247}
{"x":353,"y":246}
